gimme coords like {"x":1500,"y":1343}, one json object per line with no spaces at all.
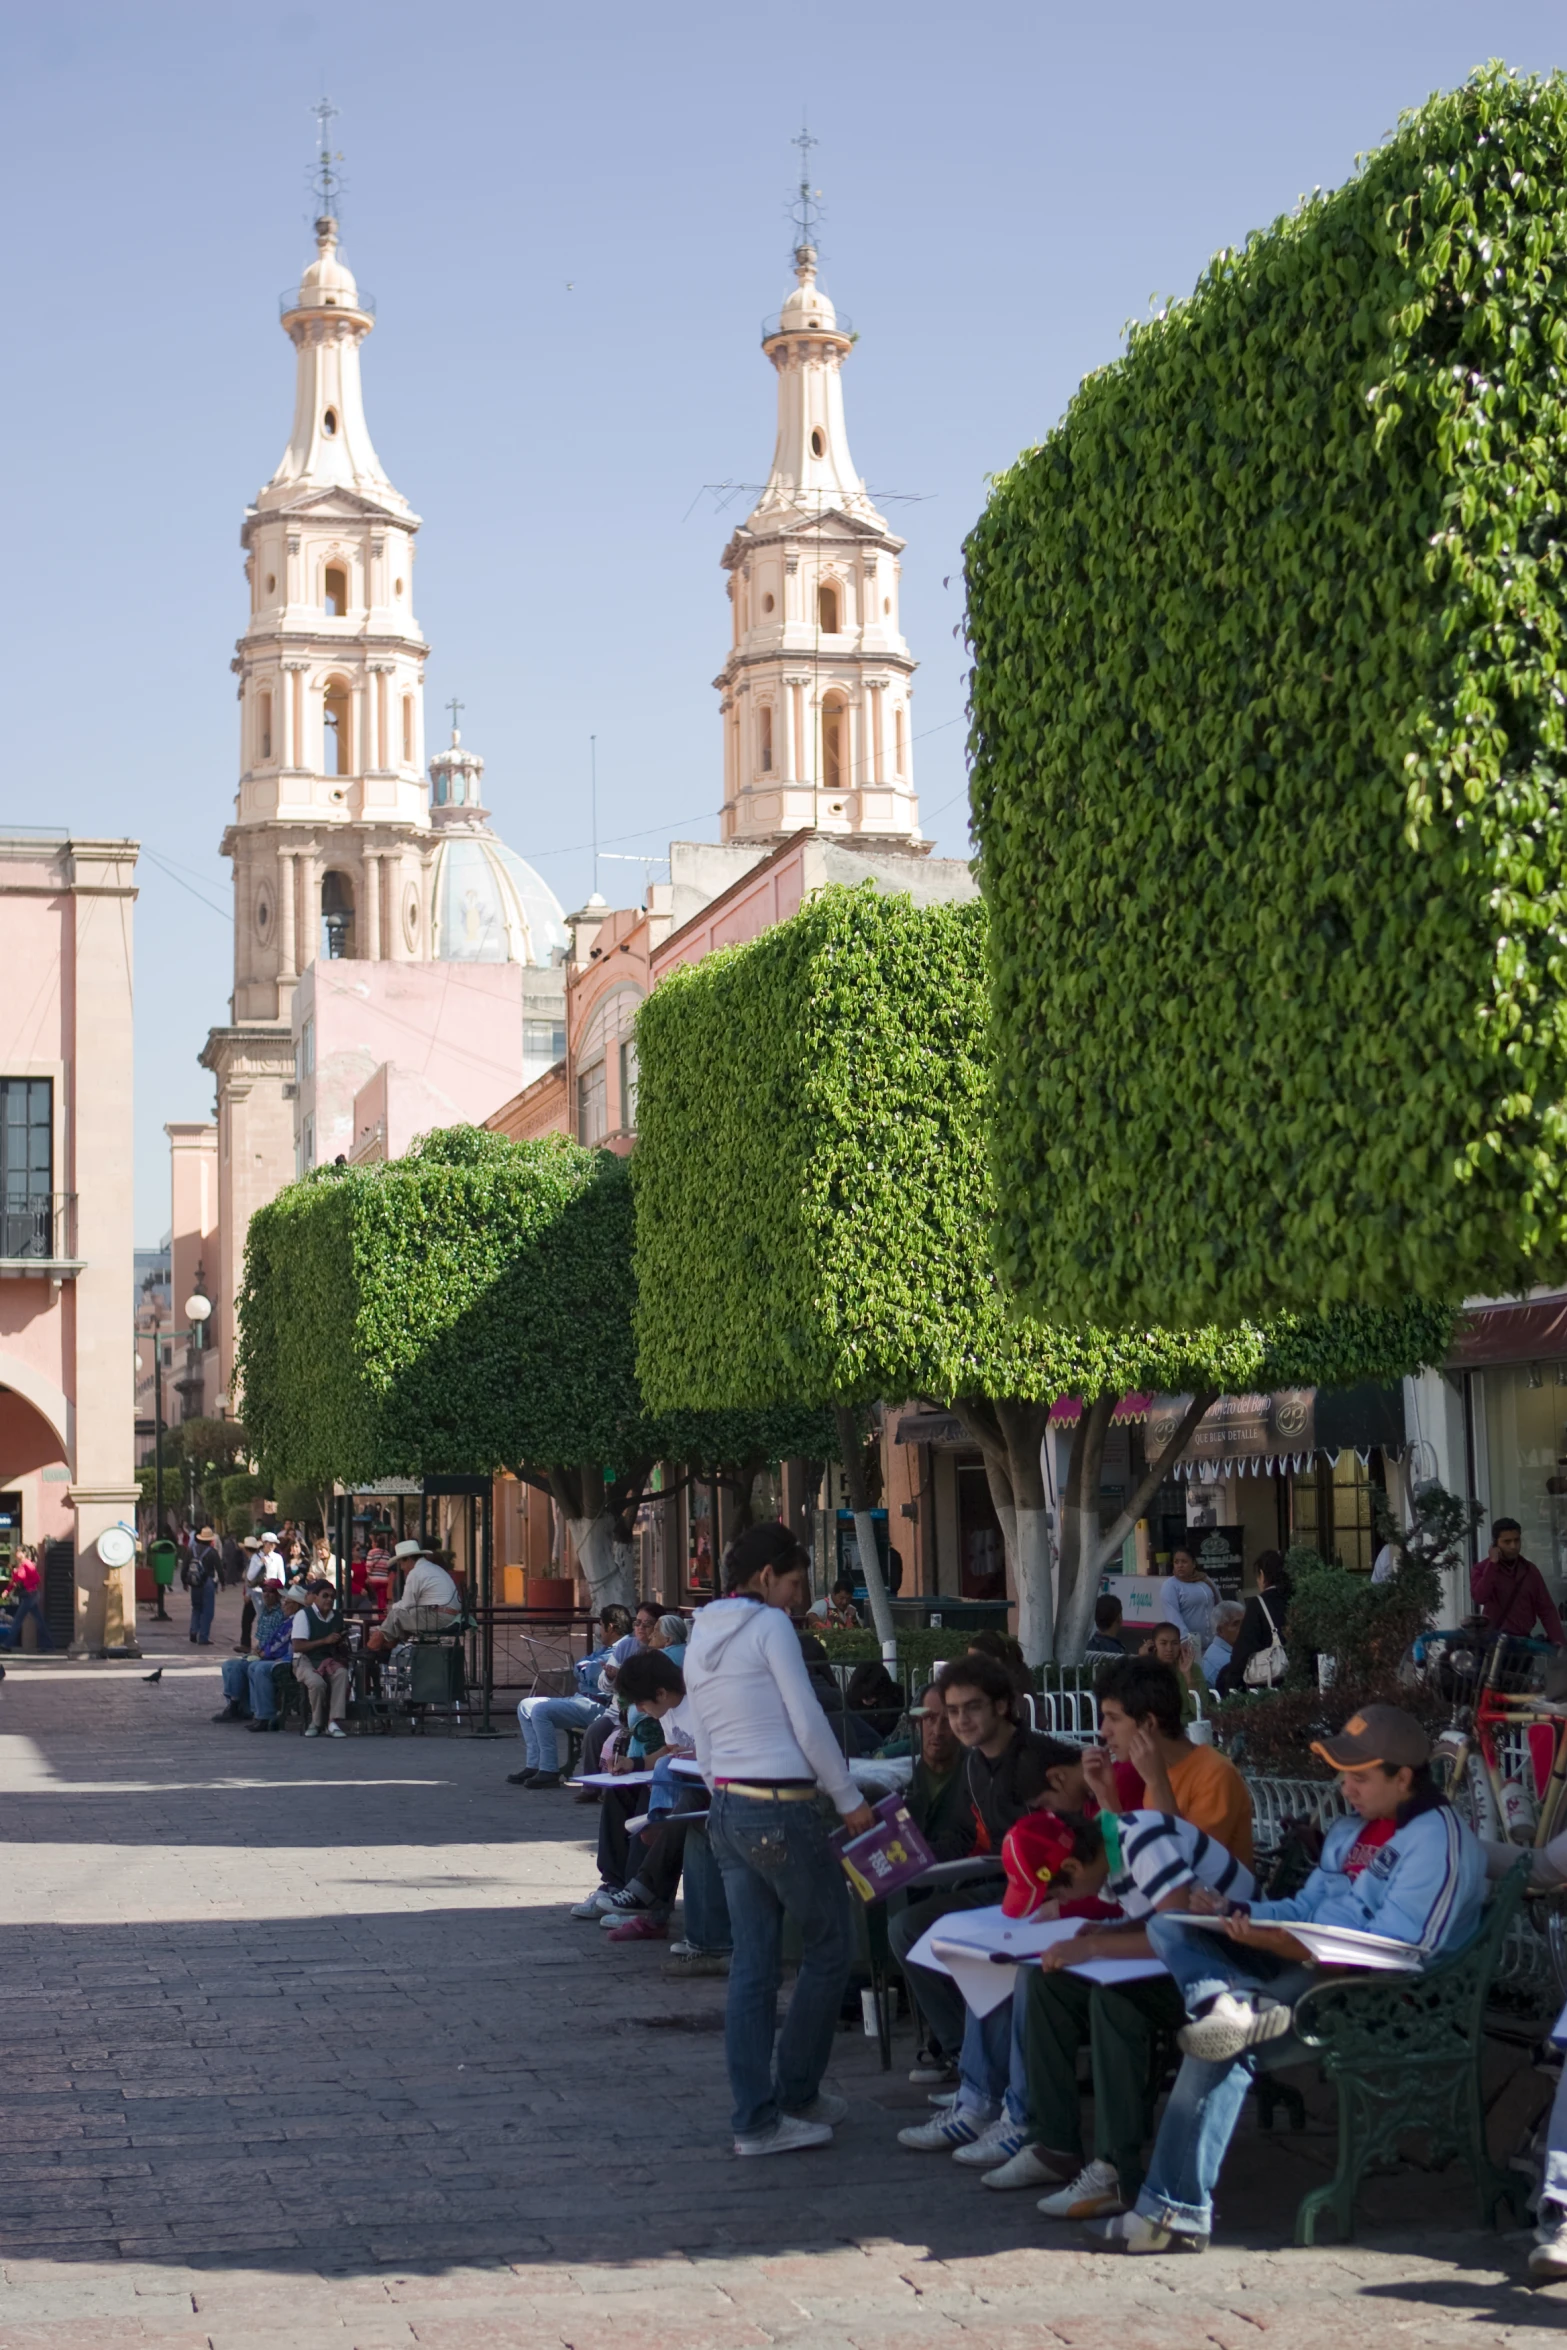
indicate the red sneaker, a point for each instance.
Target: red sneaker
{"x":640,"y":1929}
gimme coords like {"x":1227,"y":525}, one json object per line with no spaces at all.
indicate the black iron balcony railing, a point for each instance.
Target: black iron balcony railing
{"x":38,"y":1233}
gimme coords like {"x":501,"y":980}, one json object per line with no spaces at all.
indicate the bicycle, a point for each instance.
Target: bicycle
{"x":1503,"y":1732}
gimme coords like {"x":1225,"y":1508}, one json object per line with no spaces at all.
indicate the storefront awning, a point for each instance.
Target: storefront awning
{"x":1261,"y":1435}
{"x":931,"y":1428}
{"x":1520,"y":1332}
{"x":1068,"y":1410}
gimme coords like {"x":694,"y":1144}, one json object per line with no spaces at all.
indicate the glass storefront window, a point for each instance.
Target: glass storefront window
{"x":1523,"y":1411}
{"x":982,"y":1567}
{"x":1331,"y":1511}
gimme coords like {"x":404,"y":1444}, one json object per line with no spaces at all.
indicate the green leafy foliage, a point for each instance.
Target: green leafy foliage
{"x":461,"y":1310}
{"x":1270,"y":745}
{"x":815,"y":1201}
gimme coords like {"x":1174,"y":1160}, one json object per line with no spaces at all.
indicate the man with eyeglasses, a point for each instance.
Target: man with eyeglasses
{"x":979,"y":1700}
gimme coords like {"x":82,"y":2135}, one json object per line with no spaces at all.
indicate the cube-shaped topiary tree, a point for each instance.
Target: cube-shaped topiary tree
{"x":1270,"y":740}
{"x":815,"y":1223}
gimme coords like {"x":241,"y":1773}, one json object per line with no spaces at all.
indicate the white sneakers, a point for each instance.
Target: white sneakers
{"x":1548,"y":2260}
{"x":597,"y":1902}
{"x":994,"y":2145}
{"x":311,"y":1730}
{"x":1029,"y":2167}
{"x":1131,"y":2232}
{"x":788,"y":2135}
{"x":336,"y":1730}
{"x":1231,"y":2025}
{"x":1095,"y":2193}
{"x":955,"y":2125}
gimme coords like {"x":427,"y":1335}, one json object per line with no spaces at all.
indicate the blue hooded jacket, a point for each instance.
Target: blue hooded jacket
{"x":1425,"y":1885}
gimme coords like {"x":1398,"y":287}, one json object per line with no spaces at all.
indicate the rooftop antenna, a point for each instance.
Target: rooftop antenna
{"x":806,"y":210}
{"x":326,"y":182}
{"x":456,"y":708}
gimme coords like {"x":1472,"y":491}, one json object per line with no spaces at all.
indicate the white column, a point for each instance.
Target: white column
{"x":372,"y":886}
{"x":287,"y":953}
{"x":878,"y":725}
{"x":783,"y":719}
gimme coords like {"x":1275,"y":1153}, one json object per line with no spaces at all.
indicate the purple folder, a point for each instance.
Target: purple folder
{"x":886,"y":1857}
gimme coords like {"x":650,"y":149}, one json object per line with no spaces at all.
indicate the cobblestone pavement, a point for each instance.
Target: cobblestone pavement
{"x":300,"y":2043}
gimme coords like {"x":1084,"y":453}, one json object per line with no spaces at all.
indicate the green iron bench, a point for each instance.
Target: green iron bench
{"x":1404,"y":2053}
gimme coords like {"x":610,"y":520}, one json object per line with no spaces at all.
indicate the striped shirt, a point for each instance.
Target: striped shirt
{"x":1153,"y":1854}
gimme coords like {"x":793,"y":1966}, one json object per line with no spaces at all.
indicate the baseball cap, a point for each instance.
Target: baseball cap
{"x":267,"y":1536}
{"x":1377,"y":1734}
{"x":1033,"y":1852}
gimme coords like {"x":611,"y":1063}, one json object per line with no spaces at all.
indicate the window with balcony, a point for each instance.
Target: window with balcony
{"x":592,"y":1107}
{"x":26,"y":1167}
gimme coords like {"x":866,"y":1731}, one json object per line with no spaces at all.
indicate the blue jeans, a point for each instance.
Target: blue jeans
{"x":539,"y":1718}
{"x":987,"y":2064}
{"x":774,"y":1856}
{"x":202,"y":1604}
{"x":263,"y":1687}
{"x":1206,"y":2102}
{"x":236,"y":1682}
{"x":25,"y":1606}
{"x":707,"y":1911}
{"x":1554,"y":2189}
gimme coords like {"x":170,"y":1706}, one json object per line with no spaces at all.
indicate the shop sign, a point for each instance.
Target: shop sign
{"x":1239,"y":1427}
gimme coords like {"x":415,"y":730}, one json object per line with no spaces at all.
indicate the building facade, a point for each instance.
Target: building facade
{"x":68,"y":1300}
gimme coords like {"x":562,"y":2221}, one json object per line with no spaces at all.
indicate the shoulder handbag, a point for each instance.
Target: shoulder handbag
{"x":1268,"y":1666}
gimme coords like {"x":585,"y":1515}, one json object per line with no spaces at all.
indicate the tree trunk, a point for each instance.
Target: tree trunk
{"x":1035,"y":1586}
{"x":605,"y":1562}
{"x":1086,"y":1546}
{"x":865,"y":1527}
{"x":1010,"y":1434}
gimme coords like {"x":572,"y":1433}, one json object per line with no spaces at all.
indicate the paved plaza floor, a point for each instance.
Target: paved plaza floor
{"x":300,"y":2045}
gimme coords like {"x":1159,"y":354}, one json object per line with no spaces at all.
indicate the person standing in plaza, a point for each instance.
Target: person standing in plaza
{"x":26,"y":1599}
{"x":201,"y":1581}
{"x":1509,"y":1590}
{"x":1187,"y":1599}
{"x":767,"y":1751}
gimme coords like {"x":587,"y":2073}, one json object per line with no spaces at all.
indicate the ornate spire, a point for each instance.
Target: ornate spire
{"x":327,"y":318}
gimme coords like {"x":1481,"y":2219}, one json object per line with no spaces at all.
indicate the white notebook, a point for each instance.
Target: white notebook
{"x":1328,"y":1945}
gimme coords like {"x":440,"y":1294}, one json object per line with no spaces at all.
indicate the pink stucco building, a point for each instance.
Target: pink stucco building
{"x":67,"y":1276}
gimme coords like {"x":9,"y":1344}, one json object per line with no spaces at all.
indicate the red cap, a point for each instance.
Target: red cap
{"x":1034,"y":1851}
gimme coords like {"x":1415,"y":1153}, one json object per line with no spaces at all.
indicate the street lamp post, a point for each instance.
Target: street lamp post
{"x":198,"y":1311}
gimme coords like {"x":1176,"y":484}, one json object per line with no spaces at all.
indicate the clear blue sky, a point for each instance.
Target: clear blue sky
{"x":1005,"y":185}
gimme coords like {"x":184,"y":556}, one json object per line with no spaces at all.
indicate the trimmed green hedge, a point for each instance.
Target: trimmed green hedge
{"x":464,"y":1309}
{"x":1270,"y":743}
{"x":814,"y":1197}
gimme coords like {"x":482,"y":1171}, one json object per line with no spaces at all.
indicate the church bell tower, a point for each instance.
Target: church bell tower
{"x":815,"y":692}
{"x":331,"y":819}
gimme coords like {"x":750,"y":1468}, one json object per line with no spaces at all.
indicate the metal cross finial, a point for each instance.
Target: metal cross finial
{"x":806,"y":210}
{"x":326,"y":182}
{"x":456,"y":708}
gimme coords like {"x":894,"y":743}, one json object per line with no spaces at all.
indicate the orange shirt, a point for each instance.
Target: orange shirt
{"x":1210,"y":1792}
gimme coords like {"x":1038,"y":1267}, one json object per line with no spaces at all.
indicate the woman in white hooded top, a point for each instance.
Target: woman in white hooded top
{"x":768,"y":1753}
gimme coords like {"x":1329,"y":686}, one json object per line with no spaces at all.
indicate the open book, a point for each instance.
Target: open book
{"x":1328,"y":1945}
